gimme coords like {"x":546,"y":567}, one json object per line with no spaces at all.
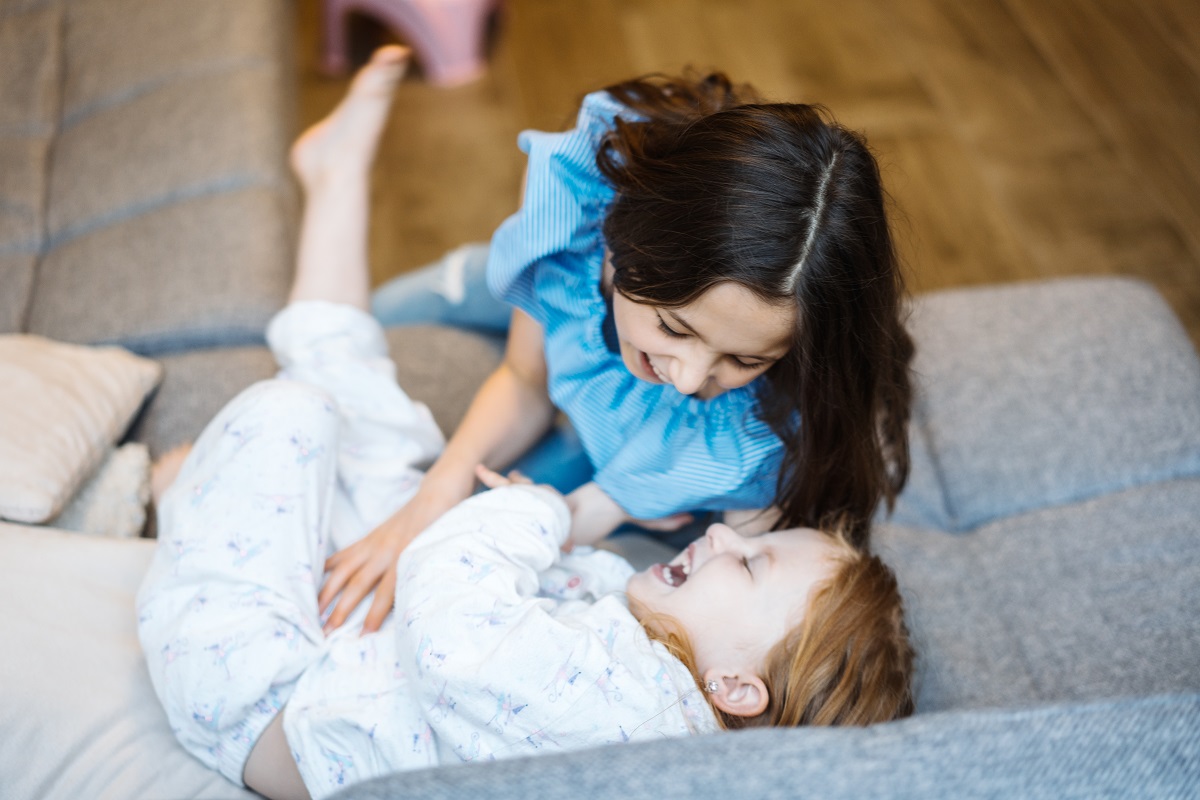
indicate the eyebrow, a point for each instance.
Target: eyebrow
{"x":674,"y":316}
{"x":684,"y":323}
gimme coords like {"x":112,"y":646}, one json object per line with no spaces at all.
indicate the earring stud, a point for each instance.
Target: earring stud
{"x":712,"y":687}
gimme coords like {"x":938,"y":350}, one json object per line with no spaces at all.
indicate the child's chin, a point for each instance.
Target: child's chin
{"x":639,"y":590}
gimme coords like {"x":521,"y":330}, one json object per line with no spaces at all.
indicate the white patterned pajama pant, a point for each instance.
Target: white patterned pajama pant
{"x":291,"y":470}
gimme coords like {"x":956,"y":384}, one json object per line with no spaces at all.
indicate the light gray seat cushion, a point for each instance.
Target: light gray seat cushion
{"x":1146,"y":748}
{"x":1096,"y":599}
{"x":441,"y":367}
{"x":1039,"y":394}
{"x":145,"y":197}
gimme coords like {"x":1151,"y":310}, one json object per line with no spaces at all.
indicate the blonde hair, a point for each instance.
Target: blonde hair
{"x":848,"y":662}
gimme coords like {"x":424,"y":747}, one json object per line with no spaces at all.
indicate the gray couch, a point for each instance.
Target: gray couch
{"x":1048,"y":544}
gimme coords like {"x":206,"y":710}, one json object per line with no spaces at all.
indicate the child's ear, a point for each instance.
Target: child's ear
{"x":739,"y":694}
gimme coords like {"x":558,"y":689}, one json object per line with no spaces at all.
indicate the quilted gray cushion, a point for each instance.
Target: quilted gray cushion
{"x":166,"y":217}
{"x":1038,"y":394}
{"x":28,"y":102}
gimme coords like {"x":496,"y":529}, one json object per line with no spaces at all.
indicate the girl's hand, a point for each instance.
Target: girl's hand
{"x":370,"y":563}
{"x":595,"y":515}
{"x":494,"y":480}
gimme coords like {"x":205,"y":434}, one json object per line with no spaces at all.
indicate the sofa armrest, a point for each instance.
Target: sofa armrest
{"x":1147,"y":747}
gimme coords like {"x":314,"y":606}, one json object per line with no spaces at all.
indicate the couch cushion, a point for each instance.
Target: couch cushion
{"x":1098,"y":599}
{"x":115,"y":499}
{"x":219,"y":38}
{"x":192,"y":135}
{"x":1039,"y":394}
{"x":168,"y":194}
{"x":62,"y":408}
{"x":195,"y":386}
{"x":79,"y":715}
{"x":201,"y":272}
{"x":16,"y":276}
{"x":28,"y":104}
{"x":441,"y":367}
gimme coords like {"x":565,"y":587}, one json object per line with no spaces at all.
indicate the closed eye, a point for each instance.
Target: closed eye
{"x":746,"y":564}
{"x":737,"y":362}
{"x":662,"y":326}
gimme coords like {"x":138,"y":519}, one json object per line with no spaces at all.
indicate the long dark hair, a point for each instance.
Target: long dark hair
{"x":711,"y":186}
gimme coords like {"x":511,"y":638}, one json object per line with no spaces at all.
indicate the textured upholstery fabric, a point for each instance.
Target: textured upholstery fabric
{"x":162,"y":277}
{"x":16,"y":276}
{"x":1090,"y":600}
{"x":441,"y":367}
{"x":1038,"y":394}
{"x":144,"y":162}
{"x":194,"y":387}
{"x":27,"y":108}
{"x":1146,"y":748}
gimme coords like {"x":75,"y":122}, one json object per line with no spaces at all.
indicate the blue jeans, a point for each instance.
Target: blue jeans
{"x":453,"y":291}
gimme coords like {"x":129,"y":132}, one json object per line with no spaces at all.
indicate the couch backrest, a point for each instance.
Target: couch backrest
{"x":145,"y":197}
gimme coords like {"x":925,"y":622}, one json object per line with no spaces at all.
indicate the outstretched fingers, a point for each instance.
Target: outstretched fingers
{"x":368,"y":565}
{"x":381,"y":606}
{"x":493,"y":480}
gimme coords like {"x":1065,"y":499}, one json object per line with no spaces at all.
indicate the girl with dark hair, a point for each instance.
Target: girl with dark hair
{"x":706,"y":286}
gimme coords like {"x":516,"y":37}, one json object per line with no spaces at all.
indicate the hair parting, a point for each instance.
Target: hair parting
{"x":814,"y":220}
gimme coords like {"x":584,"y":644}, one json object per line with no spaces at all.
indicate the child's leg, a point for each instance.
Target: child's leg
{"x":333,"y":163}
{"x":227,"y":613}
{"x":385,"y":437}
{"x":325,"y":337}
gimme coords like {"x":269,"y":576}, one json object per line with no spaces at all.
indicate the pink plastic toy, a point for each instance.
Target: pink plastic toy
{"x":447,"y":36}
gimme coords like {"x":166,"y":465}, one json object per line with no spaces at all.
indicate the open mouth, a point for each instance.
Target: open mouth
{"x":675,"y":575}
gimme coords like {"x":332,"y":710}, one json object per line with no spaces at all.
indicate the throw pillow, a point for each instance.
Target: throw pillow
{"x":63,"y":407}
{"x":113,"y":501}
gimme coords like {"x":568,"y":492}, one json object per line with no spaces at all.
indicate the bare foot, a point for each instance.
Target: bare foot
{"x":166,"y":469}
{"x":346,"y":139}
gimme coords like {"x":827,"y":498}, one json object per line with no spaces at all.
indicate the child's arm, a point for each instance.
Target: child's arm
{"x":594,"y":515}
{"x":506,"y":669}
{"x":511,"y":411}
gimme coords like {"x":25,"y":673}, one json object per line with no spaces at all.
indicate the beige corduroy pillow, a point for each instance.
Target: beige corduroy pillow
{"x":62,"y":408}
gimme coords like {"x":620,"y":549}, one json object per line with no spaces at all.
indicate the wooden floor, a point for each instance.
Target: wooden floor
{"x":1020,"y":139}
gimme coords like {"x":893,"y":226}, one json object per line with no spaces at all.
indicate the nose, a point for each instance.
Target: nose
{"x":689,"y":374}
{"x":722,"y":538}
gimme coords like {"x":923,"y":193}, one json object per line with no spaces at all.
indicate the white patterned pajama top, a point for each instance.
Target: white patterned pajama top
{"x":498,"y":645}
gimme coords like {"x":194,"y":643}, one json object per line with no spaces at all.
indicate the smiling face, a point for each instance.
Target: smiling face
{"x":722,"y":340}
{"x":736,"y":596}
